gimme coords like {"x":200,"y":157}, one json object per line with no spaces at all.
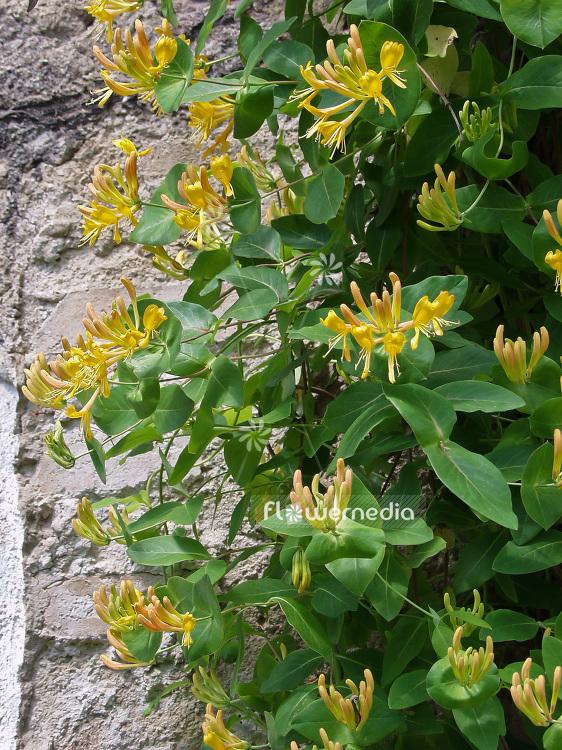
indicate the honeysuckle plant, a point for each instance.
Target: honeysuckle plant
{"x":379,"y":392}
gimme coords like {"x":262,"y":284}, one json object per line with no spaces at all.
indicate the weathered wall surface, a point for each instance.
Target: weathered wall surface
{"x":63,"y":698}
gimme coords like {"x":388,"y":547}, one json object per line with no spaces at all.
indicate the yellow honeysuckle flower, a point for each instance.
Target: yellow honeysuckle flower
{"x":428,"y":316}
{"x":432,"y":206}
{"x":323,"y":510}
{"x":207,"y":689}
{"x":383,"y":324}
{"x":118,"y":609}
{"x":352,"y":711}
{"x":353,"y":80}
{"x":217,"y":736}
{"x":206,"y":116}
{"x":554,"y":257}
{"x":162,"y":616}
{"x":119,"y":188}
{"x":554,"y":260}
{"x":470,"y":666}
{"x":86,"y":366}
{"x":512,"y":355}
{"x":222,"y":169}
{"x":106,"y":11}
{"x":529,"y":695}
{"x":204,"y":210}
{"x":133,"y":58}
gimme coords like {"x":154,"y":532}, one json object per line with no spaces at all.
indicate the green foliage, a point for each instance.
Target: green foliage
{"x":293,"y":355}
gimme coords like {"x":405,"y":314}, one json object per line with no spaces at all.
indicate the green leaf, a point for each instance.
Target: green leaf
{"x":286,"y":57}
{"x":175,"y":78}
{"x":331,"y":598}
{"x":324,"y":195}
{"x":173,"y":410}
{"x":253,"y":305}
{"x":552,"y":738}
{"x":114,"y":414}
{"x":540,"y":496}
{"x":407,"y":638}
{"x":258,"y":277}
{"x":547,"y":417}
{"x":166,"y":550}
{"x":209,"y":89}
{"x":424,"y":551}
{"x":351,"y":540}
{"x":411,"y":17}
{"x":135,"y":438}
{"x":431,"y":142}
{"x":404,"y":100}
{"x":544,"y":552}
{"x":408,"y":690}
{"x":484,"y":8}
{"x":389,"y":587}
{"x":348,"y":407}
{"x":480,"y":725}
{"x":290,"y":672}
{"x":536,"y":22}
{"x":538,"y":85}
{"x":477,"y":395}
{"x":511,"y":460}
{"x":356,"y":573}
{"x":245,"y":204}
{"x":142,"y":643}
{"x":251,"y":110}
{"x":373,"y":415}
{"x":551,"y":654}
{"x":432,"y":286}
{"x":97,"y":456}
{"x":300,"y":233}
{"x":145,"y":396}
{"x":482,"y":157}
{"x":445,"y":689}
{"x":208,"y":632}
{"x":475,"y":563}
{"x":216,"y":11}
{"x":225,"y":387}
{"x":306,"y":625}
{"x":508,"y":625}
{"x":258,"y":591}
{"x":430,"y":416}
{"x":263,"y":244}
{"x":475,"y":480}
{"x":496,"y":205}
{"x":157,"y":225}
{"x":250,"y":34}
{"x":460,"y":365}
{"x":164,"y":346}
{"x":177,"y":512}
{"x":481,"y":78}
{"x":268,"y":38}
{"x":242,"y":456}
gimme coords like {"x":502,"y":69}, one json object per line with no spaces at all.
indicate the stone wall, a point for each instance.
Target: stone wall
{"x":56,"y":694}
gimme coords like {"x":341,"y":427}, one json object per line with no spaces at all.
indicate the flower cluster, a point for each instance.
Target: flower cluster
{"x":470,"y":666}
{"x":205,"y":117}
{"x":353,"y":80}
{"x":87,"y":525}
{"x":554,"y":257}
{"x":127,"y":609}
{"x":530,"y":695}
{"x":476,"y":124}
{"x":382,"y":324}
{"x":204,"y":207}
{"x":477,"y":610}
{"x":207,"y":688}
{"x":162,"y":616}
{"x":86,"y":367}
{"x":323,"y":510}
{"x":133,"y":58}
{"x":433,"y":206}
{"x":106,"y":11}
{"x":217,"y":736}
{"x":352,"y":711}
{"x":116,"y":187}
{"x":512,"y":355}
